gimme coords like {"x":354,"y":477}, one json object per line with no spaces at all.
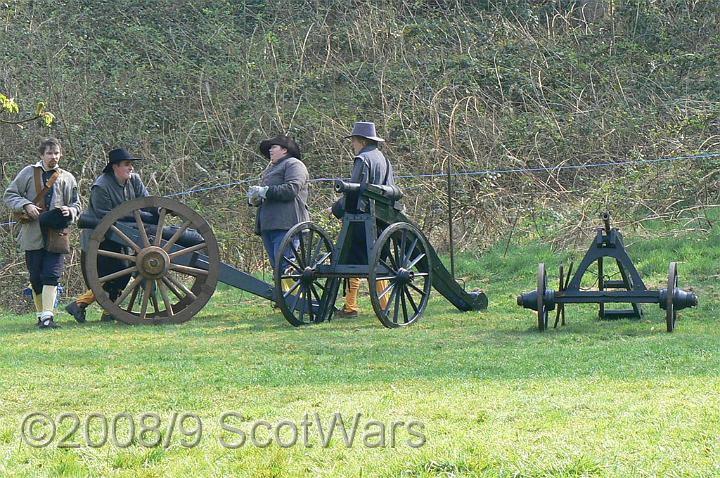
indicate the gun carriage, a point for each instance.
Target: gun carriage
{"x":173,"y":262}
{"x":608,"y":244}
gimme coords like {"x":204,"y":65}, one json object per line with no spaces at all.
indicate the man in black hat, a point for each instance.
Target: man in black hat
{"x":372,"y":167}
{"x":117,"y":184}
{"x":44,"y":196}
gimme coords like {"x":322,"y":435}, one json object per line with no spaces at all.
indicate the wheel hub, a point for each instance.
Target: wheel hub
{"x":308,"y":275}
{"x":153,"y":262}
{"x":404,"y":276}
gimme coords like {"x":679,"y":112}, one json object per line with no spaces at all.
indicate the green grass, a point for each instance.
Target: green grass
{"x":496,"y":398}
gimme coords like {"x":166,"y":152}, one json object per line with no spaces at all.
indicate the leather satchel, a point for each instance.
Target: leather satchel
{"x":58,"y":240}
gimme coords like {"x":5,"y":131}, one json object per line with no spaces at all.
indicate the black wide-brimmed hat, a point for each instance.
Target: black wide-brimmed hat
{"x":116,"y":156}
{"x":285,"y":141}
{"x":365,"y":129}
{"x":54,"y":219}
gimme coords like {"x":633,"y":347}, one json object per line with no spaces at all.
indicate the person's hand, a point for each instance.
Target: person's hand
{"x":262,"y":191}
{"x":253,"y":196}
{"x":329,"y":212}
{"x":64,"y":210}
{"x":32,"y":210}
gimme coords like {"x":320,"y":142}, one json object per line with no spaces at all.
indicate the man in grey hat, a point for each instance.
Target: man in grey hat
{"x":372,"y":167}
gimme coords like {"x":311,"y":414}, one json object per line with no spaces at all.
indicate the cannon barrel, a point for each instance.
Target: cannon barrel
{"x":606,"y":219}
{"x":188,"y":238}
{"x":373,"y":191}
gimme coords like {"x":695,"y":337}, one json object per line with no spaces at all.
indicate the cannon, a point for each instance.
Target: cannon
{"x":173,"y":264}
{"x":630,"y":288}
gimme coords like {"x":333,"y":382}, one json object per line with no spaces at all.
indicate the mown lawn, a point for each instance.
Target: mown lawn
{"x":487,"y":394}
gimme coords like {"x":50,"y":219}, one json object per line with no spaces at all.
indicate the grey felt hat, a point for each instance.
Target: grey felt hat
{"x":365,"y":129}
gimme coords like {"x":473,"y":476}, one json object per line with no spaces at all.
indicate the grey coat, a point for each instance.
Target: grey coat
{"x":285,"y":203}
{"x":107,"y":193}
{"x":370,"y":167}
{"x":21,"y":192}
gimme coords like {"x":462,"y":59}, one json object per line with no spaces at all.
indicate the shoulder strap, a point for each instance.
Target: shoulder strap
{"x":39,"y":200}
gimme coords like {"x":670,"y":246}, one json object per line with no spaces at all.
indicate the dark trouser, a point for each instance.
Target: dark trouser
{"x":271,"y":241}
{"x":108,"y":265}
{"x":45,"y":268}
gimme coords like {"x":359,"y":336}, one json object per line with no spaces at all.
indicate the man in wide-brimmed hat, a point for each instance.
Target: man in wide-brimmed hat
{"x":117,"y":184}
{"x":48,"y":197}
{"x":372,"y":167}
{"x":282,"y":196}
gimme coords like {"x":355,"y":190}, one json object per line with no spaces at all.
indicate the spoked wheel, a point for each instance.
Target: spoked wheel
{"x":670,"y":312}
{"x":166,"y":262}
{"x":304,"y":296}
{"x":542,"y":310}
{"x":399,"y":275}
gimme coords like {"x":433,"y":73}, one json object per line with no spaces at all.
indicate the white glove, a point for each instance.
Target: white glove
{"x":262,"y":191}
{"x":253,"y":197}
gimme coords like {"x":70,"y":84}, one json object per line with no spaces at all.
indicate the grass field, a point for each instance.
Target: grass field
{"x":458,"y":394}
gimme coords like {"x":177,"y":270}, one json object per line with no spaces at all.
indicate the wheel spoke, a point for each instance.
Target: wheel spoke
{"x":182,"y":287}
{"x":146,"y":297}
{"x":314,"y":292}
{"x":129,"y":288}
{"x":395,"y":258}
{"x":168,"y":245}
{"x":298,"y":258}
{"x":302,"y":303}
{"x":316,"y":251}
{"x":412,"y":301}
{"x":402,"y":247}
{"x":134,"y":295}
{"x":187,"y":250}
{"x":421,"y":292}
{"x":293,"y":264}
{"x":116,"y":255}
{"x":307,"y":251}
{"x":124,"y":237}
{"x":323,"y":259}
{"x":415,"y":261}
{"x":410,"y":251}
{"x":172,"y":288}
{"x":404,"y":306}
{"x":193,"y":271}
{"x":117,"y":274}
{"x":308,"y":302}
{"x":396,"y":307}
{"x":385,"y":291}
{"x":165,"y":298}
{"x":153,"y":296}
{"x":391,"y":269}
{"x":390,"y":301}
{"x":160,"y":226}
{"x":141,"y":228}
{"x":292,"y":289}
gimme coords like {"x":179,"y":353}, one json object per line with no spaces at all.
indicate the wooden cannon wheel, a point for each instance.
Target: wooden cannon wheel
{"x":166,"y":285}
{"x":302,"y":294}
{"x":542,"y":310}
{"x":670,"y":312}
{"x":399,"y":277}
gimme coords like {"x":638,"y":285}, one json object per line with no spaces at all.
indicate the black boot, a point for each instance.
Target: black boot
{"x":77,"y":311}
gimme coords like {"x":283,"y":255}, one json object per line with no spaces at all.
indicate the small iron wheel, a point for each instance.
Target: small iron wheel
{"x":670,"y":312}
{"x":399,"y":276}
{"x":172,"y":262}
{"x":542,"y":311}
{"x":303,"y":296}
